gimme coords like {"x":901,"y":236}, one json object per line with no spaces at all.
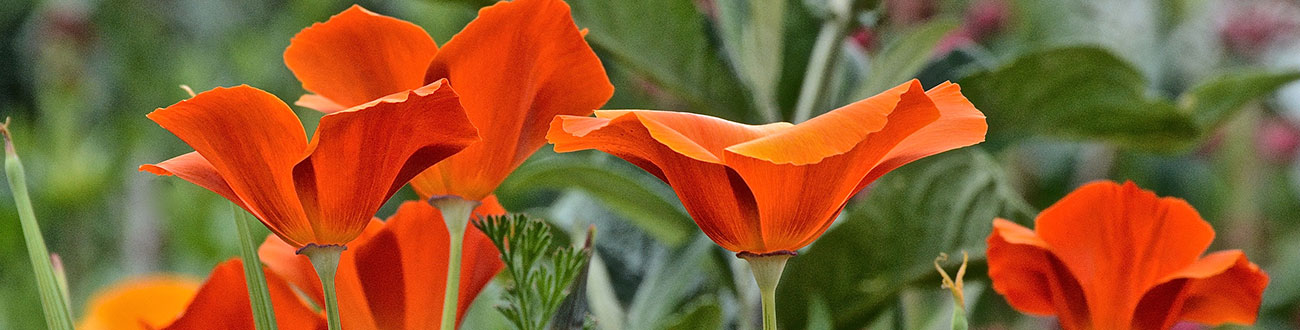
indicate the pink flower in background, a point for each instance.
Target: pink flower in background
{"x":1250,"y":27}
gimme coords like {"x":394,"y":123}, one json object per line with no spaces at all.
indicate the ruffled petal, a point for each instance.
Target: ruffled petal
{"x":802,"y":176}
{"x":1223,"y":287}
{"x":516,"y":66}
{"x":361,"y":156}
{"x":193,"y":168}
{"x":715,"y":196}
{"x":1033,"y":281}
{"x":252,"y":140}
{"x":358,"y":56}
{"x":1119,"y":241}
{"x":959,"y":125}
{"x":700,"y":137}
{"x":143,"y":303}
{"x":403,"y":267}
{"x":222,"y":303}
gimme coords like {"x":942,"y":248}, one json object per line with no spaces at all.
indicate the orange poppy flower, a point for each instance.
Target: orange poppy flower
{"x":775,"y":188}
{"x":515,"y":67}
{"x":251,"y":149}
{"x":1118,"y":257}
{"x":393,"y":277}
{"x":143,"y":304}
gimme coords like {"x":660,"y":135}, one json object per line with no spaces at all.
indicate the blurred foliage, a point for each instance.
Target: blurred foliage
{"x":1176,"y":95}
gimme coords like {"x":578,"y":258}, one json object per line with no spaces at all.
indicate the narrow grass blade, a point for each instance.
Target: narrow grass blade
{"x":53,"y":300}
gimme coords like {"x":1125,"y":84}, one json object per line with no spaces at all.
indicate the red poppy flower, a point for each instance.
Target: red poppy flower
{"x":393,"y":277}
{"x":777,"y":187}
{"x":1118,"y":257}
{"x":515,"y":67}
{"x":251,"y":149}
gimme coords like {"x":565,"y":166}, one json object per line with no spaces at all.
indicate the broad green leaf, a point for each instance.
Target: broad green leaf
{"x":888,"y":242}
{"x":901,"y":59}
{"x":666,"y":42}
{"x":621,"y":191}
{"x":1080,"y":93}
{"x":1217,"y":99}
{"x":750,"y":30}
{"x":1088,"y":93}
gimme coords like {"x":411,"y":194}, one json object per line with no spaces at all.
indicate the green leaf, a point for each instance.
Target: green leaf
{"x":1088,"y":93}
{"x":1079,"y":93}
{"x":903,"y":58}
{"x":53,"y":299}
{"x":1218,"y":98}
{"x":542,"y":272}
{"x":944,"y":203}
{"x":677,"y":56}
{"x":750,"y":30}
{"x":671,"y":278}
{"x":621,"y":191}
{"x":574,"y":312}
{"x":703,"y":315}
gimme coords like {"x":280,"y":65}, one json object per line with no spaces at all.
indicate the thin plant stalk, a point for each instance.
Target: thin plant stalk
{"x":456,"y":212}
{"x":825,"y":52}
{"x":325,"y":259}
{"x":259,"y":297}
{"x":53,"y":300}
{"x":767,"y":272}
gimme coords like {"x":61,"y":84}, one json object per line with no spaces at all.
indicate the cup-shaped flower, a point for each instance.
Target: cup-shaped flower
{"x":251,"y":149}
{"x":516,"y":66}
{"x":775,"y":188}
{"x":391,"y":278}
{"x":1111,"y":256}
{"x":139,"y":304}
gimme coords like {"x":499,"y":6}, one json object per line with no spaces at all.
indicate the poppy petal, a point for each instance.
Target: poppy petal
{"x":959,"y":125}
{"x":143,"y":303}
{"x":193,"y":168}
{"x":358,"y":56}
{"x":801,"y":178}
{"x":1223,"y":287}
{"x":361,"y":156}
{"x":715,"y":196}
{"x":516,"y":66}
{"x":1033,"y":281}
{"x":319,"y":103}
{"x":256,"y":163}
{"x":222,"y":303}
{"x":703,"y":138}
{"x":403,"y":267}
{"x":1128,"y":250}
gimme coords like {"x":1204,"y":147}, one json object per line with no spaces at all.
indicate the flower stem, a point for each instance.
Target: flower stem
{"x":325,"y":258}
{"x":53,"y":300}
{"x":767,"y":272}
{"x":259,"y":297}
{"x":456,"y":212}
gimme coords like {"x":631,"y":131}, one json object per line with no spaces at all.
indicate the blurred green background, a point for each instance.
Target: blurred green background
{"x":1185,"y":97}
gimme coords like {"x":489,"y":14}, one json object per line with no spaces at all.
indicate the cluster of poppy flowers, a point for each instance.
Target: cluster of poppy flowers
{"x":455,"y":121}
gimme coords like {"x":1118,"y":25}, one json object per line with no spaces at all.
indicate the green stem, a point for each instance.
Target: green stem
{"x":456,"y":212}
{"x":325,"y":258}
{"x":259,"y":297}
{"x":830,"y":40}
{"x":54,"y":302}
{"x":767,"y":272}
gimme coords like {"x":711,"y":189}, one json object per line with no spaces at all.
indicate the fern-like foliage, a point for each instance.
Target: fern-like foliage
{"x":541,"y":270}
